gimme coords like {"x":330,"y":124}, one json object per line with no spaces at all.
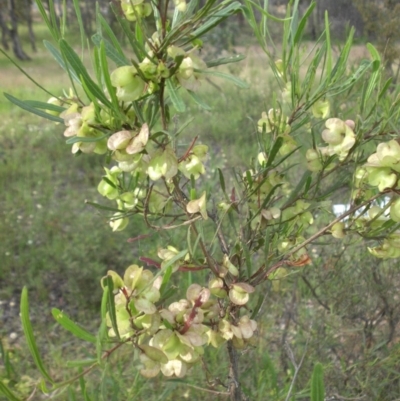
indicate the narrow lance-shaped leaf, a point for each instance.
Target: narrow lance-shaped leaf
{"x":274,"y":151}
{"x":30,"y":338}
{"x":317,"y":383}
{"x":54,"y":31}
{"x":85,"y":139}
{"x":60,"y":60}
{"x":80,"y":363}
{"x":26,"y":106}
{"x":4,"y":389}
{"x":176,"y":100}
{"x":341,"y":63}
{"x":102,"y":207}
{"x":198,"y":100}
{"x":328,"y":47}
{"x":178,"y":256}
{"x":72,"y":327}
{"x":101,"y":337}
{"x":222,"y":183}
{"x":216,"y":18}
{"x":128,"y":33}
{"x":115,"y":45}
{"x":238,"y":82}
{"x":165,"y":280}
{"x":303,"y":22}
{"x":106,"y":76}
{"x":44,"y":106}
{"x":225,"y":60}
{"x":81,"y":71}
{"x":111,"y":53}
{"x":296,"y":192}
{"x":80,"y":22}
{"x":111,"y":305}
{"x":251,"y":19}
{"x":376,"y":70}
{"x":54,"y":18}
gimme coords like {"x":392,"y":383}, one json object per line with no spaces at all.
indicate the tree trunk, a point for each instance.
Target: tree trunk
{"x":5,"y":34}
{"x":87,"y":17}
{"x":28,"y":12}
{"x":16,"y":43}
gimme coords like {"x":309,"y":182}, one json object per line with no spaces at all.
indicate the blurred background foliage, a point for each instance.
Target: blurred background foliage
{"x":342,"y":311}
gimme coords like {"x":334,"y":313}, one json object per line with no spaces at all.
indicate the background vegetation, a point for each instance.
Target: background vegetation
{"x":342,"y":311}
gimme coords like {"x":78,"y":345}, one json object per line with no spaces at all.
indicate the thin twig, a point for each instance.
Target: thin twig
{"x":332,"y":223}
{"x":339,"y":397}
{"x":207,"y":390}
{"x":296,"y":367}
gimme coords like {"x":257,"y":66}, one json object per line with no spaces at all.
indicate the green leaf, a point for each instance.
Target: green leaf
{"x":238,"y":82}
{"x":266,"y":199}
{"x":215,"y":18}
{"x":294,"y":23}
{"x":45,"y":106}
{"x":165,"y":280}
{"x":80,"y":22}
{"x":252,"y":21}
{"x":303,"y":22}
{"x":26,"y":106}
{"x":30,"y":338}
{"x":54,"y":19}
{"x":256,"y":309}
{"x":81,"y":71}
{"x":101,"y":334}
{"x":317,"y":383}
{"x":111,"y":304}
{"x":79,"y":363}
{"x":274,"y":151}
{"x":54,"y":32}
{"x":85,"y":139}
{"x":71,"y":394}
{"x":341,"y":63}
{"x":221,"y":180}
{"x":111,"y":52}
{"x":7,"y":392}
{"x":126,"y":28}
{"x":176,"y":99}
{"x":296,"y":192}
{"x":376,"y":69}
{"x":198,"y":100}
{"x":356,"y":76}
{"x":115,"y":45}
{"x":225,"y":60}
{"x":106,"y":76}
{"x":266,"y":13}
{"x":386,"y":86}
{"x":102,"y":207}
{"x":104,"y":300}
{"x":328,"y":46}
{"x":60,"y":60}
{"x":72,"y":327}
{"x":170,"y":262}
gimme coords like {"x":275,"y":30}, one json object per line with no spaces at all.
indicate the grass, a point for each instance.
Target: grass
{"x":59,"y":247}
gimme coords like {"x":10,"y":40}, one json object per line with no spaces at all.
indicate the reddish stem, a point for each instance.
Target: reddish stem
{"x":192,"y":315}
{"x":186,"y":155}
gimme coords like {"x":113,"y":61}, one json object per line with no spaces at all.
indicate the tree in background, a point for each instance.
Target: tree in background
{"x":381,"y":20}
{"x":12,"y":14}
